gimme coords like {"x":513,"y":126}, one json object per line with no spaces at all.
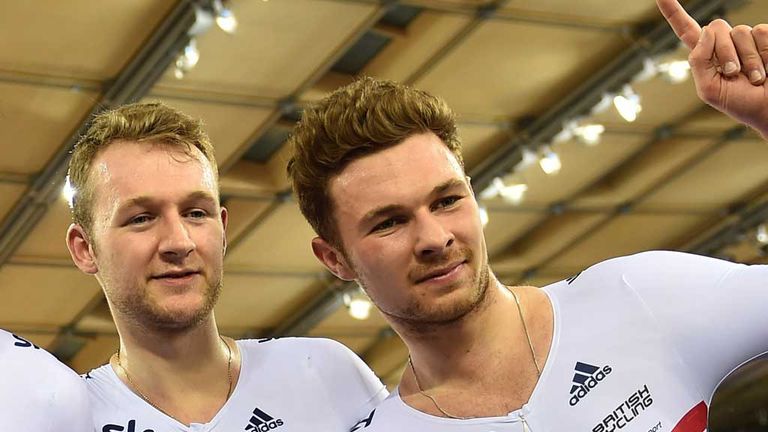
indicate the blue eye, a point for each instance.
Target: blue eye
{"x":140,"y":219}
{"x":197,"y":214}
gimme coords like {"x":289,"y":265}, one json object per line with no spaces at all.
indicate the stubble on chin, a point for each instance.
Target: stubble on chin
{"x":417,"y":318}
{"x":144,"y":312}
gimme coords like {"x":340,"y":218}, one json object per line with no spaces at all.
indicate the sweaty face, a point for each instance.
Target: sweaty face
{"x":158,"y":234}
{"x":411,"y":232}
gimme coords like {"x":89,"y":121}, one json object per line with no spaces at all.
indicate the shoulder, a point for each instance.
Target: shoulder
{"x":296,"y":346}
{"x":34,"y":381}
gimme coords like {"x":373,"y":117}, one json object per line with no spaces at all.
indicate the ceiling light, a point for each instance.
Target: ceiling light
{"x":603,"y":105}
{"x":762,"y":234}
{"x":191,"y":55}
{"x":550,"y":161}
{"x":360,"y":308}
{"x":68,"y":192}
{"x":225,"y":19}
{"x":628,"y":104}
{"x":528,"y":159}
{"x":512,"y":194}
{"x":515,"y":193}
{"x":649,"y":71}
{"x":590,"y":134}
{"x":484,"y":218}
{"x":676,"y":72}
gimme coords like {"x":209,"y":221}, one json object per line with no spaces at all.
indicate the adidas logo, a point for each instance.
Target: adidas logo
{"x":585,"y":379}
{"x":263,"y":422}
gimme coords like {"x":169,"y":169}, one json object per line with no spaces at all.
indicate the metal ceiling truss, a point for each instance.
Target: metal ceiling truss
{"x":131,"y":84}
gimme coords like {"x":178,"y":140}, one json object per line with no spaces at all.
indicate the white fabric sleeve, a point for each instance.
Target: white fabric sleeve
{"x":69,"y":405}
{"x":352,"y":384}
{"x":715,"y":312}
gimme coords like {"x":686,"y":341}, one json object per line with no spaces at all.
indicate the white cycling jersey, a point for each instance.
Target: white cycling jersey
{"x":285,"y":385}
{"x":37,"y":392}
{"x":640,"y":343}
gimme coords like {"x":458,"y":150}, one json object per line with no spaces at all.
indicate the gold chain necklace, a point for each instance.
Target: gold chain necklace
{"x":135,"y":388}
{"x":533,"y":355}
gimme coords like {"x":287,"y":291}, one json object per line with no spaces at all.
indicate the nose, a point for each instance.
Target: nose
{"x":433,"y":238}
{"x":176,"y":242}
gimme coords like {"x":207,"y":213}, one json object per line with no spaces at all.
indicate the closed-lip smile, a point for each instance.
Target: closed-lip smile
{"x":440,"y":272}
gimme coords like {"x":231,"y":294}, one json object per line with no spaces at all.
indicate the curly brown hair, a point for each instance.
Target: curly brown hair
{"x":154,"y":123}
{"x":362,"y":118}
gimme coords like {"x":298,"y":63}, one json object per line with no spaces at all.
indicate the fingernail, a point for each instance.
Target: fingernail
{"x":731,"y":68}
{"x":755,"y":76}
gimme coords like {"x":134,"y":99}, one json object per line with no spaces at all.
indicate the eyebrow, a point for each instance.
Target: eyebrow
{"x":394,"y":208}
{"x":143,"y":201}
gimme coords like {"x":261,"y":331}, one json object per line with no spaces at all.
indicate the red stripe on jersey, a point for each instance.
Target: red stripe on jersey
{"x":694,"y":421}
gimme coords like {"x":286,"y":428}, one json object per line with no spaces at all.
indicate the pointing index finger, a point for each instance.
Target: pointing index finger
{"x":686,"y":28}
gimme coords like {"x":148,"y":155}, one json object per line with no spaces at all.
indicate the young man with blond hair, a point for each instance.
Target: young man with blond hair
{"x":148,"y":225}
{"x":637,"y":343}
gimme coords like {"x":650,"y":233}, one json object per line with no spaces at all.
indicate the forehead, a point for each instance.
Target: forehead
{"x":128,"y":168}
{"x":397,"y":174}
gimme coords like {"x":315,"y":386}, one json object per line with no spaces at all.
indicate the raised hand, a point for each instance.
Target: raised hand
{"x":728,"y":64}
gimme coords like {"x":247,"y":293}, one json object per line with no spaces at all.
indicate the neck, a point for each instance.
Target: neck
{"x":186,"y":349}
{"x":490,"y":337}
{"x":187,"y":374}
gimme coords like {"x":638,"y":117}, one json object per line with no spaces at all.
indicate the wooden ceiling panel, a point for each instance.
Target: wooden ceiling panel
{"x":77,"y":38}
{"x":387,"y":356}
{"x":242,"y":212}
{"x":230,"y":127}
{"x":356,"y":344}
{"x":623,"y":236}
{"x":48,"y":238}
{"x":95,"y":353}
{"x":249,"y":179}
{"x":36,"y":121}
{"x":641,"y":173}
{"x":277,"y":46}
{"x":747,"y":251}
{"x":548,"y":238}
{"x":341,"y":323}
{"x":723,"y":178}
{"x":662,"y":102}
{"x":43,"y":340}
{"x":708,"y":121}
{"x":478,"y":141}
{"x":753,"y":13}
{"x":425,"y":35}
{"x":503,"y":226}
{"x":280,"y":243}
{"x":39,"y":295}
{"x":9,"y":194}
{"x":582,"y":165}
{"x":490,"y":75}
{"x":588,"y":12}
{"x":261,"y":301}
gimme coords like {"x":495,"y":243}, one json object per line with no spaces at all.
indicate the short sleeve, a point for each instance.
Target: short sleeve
{"x":714,"y":311}
{"x":353,"y":385}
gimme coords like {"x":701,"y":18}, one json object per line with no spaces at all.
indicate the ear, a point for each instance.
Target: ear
{"x":224,"y":222}
{"x":332,"y":259}
{"x":81,"y":250}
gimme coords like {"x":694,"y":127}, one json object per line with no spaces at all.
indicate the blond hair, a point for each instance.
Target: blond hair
{"x":359,"y":119}
{"x":154,"y":123}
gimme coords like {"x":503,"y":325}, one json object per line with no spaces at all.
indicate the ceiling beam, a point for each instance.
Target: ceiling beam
{"x":130,"y":85}
{"x":612,"y":77}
